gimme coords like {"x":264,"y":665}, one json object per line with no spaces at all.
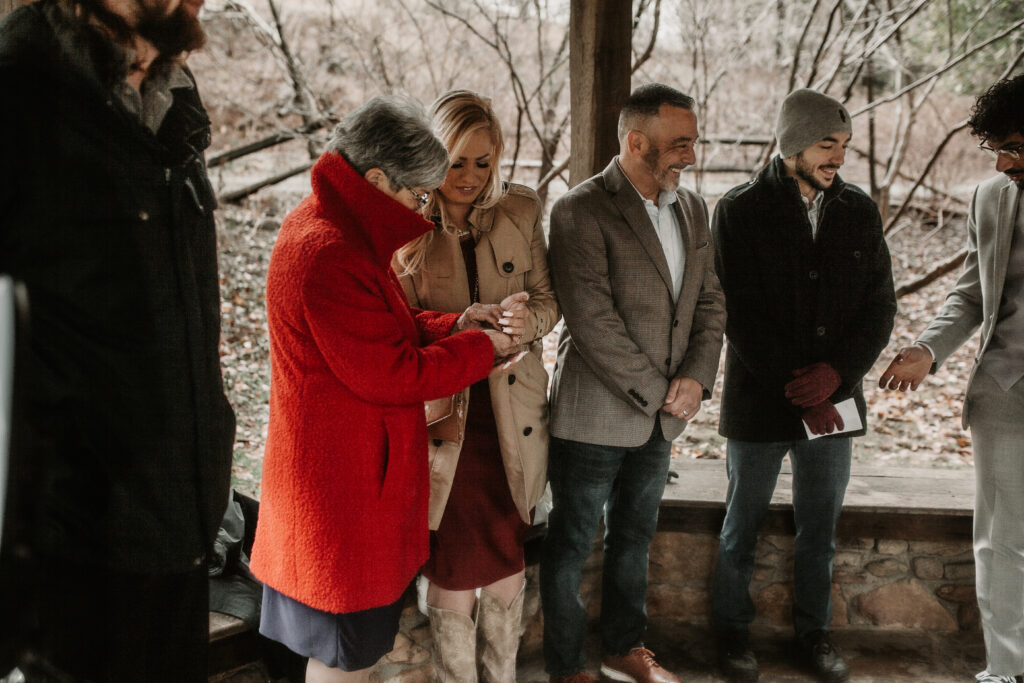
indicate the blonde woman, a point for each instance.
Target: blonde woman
{"x":487,"y":248}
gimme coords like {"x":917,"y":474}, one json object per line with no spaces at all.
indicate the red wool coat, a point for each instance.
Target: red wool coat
{"x":343,"y":513}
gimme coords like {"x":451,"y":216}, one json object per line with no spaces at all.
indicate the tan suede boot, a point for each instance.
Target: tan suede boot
{"x":500,"y":628}
{"x":454,"y":645}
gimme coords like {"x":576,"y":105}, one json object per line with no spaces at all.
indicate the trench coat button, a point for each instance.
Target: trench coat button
{"x":675,"y":323}
{"x":820,"y":331}
{"x":813,"y":275}
{"x":507,"y":266}
{"x":856,"y":254}
{"x":437,"y":443}
{"x":143,"y":215}
{"x":527,"y":431}
{"x":511,"y":379}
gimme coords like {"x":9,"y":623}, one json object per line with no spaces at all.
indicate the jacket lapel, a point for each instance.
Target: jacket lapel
{"x":627,"y":201}
{"x":1005,"y":223}
{"x":691,"y":273}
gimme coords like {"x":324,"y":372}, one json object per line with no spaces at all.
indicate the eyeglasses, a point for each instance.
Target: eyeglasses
{"x":421,"y":199}
{"x":1011,"y":152}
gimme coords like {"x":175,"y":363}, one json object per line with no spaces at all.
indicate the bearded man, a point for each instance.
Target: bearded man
{"x":106,"y":216}
{"x":809,"y":294}
{"x":633,"y":270}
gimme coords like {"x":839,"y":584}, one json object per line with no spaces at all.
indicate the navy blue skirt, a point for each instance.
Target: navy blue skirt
{"x":349,"y":641}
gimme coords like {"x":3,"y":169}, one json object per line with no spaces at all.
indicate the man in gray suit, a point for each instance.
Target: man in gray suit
{"x":633,"y":269}
{"x":990,"y":293}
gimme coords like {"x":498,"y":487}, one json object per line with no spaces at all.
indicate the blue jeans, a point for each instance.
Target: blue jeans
{"x":821,"y":471}
{"x":627,"y":485}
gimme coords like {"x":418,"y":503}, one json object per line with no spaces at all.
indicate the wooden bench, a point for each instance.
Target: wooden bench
{"x":881,"y":502}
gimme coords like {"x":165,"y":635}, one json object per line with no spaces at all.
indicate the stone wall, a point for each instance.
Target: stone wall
{"x":883,"y":583}
{"x":878,"y":584}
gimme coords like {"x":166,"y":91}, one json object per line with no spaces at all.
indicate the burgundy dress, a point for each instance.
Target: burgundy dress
{"x":480,"y":537}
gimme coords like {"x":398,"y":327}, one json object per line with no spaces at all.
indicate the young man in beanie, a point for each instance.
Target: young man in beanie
{"x":989,"y":294}
{"x":106,"y":216}
{"x":810,"y":302}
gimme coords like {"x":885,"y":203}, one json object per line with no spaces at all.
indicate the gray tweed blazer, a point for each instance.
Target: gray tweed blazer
{"x":624,"y":337}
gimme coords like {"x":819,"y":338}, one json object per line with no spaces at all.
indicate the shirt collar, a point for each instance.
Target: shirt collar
{"x":819,"y":197}
{"x":665,"y":197}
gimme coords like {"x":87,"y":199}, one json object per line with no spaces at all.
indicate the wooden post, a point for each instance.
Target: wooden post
{"x":600,"y":60}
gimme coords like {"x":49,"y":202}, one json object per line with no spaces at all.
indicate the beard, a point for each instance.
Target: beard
{"x":664,"y":176}
{"x":806,"y":172}
{"x":171,"y":34}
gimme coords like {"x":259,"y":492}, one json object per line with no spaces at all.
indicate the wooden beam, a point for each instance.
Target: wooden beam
{"x":600,"y":56}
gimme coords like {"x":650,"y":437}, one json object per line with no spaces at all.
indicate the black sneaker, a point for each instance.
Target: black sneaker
{"x":818,"y":653}
{"x":736,"y":659}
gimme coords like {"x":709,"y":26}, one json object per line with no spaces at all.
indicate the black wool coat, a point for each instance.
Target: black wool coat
{"x":793,"y":300}
{"x":111,"y":228}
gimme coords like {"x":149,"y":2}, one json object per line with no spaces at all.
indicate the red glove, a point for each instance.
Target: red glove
{"x":823,"y":418}
{"x":812,"y":385}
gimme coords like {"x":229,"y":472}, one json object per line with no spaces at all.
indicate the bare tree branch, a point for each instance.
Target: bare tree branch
{"x":949,"y":265}
{"x":942,"y":145}
{"x":273,"y":37}
{"x":552,"y":174}
{"x":800,"y":45}
{"x":823,"y":42}
{"x":642,"y":59}
{"x":939,"y":71}
{"x":240,"y":194}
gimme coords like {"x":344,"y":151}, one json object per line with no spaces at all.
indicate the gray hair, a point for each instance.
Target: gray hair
{"x":395,"y":135}
{"x":645,"y":102}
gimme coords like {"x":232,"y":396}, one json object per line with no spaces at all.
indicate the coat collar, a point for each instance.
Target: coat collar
{"x":349,"y":199}
{"x":774,"y":175}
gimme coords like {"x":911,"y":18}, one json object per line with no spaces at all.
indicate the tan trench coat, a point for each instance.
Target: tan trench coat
{"x":511,"y":257}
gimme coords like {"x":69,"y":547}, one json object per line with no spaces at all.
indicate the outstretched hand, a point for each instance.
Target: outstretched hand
{"x":907,"y":369}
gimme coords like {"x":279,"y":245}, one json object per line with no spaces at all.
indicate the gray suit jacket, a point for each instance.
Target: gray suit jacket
{"x":975,"y":299}
{"x":624,"y":337}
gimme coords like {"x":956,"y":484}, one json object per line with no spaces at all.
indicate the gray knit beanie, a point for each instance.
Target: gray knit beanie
{"x":806,"y":117}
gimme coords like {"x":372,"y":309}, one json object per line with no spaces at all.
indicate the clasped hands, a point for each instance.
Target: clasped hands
{"x":810,"y":389}
{"x":504,"y":323}
{"x":683,"y":398}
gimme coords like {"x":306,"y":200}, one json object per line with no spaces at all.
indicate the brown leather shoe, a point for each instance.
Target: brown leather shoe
{"x":638,"y":666}
{"x":580,"y":677}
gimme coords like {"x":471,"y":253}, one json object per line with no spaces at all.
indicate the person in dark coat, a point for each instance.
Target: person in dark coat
{"x":106,"y":215}
{"x":810,"y":302}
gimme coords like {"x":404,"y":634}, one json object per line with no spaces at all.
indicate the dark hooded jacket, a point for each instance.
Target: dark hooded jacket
{"x":111,"y":228}
{"x":794,"y":300}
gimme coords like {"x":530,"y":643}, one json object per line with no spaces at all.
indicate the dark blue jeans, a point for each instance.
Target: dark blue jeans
{"x":821,"y":471}
{"x":586,"y":480}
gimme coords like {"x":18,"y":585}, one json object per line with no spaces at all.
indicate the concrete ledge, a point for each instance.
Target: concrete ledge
{"x":881,"y":502}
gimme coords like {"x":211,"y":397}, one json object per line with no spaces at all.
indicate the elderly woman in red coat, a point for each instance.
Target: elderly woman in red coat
{"x":343,"y":517}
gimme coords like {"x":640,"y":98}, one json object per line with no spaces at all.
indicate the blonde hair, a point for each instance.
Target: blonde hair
{"x":457,"y":114}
